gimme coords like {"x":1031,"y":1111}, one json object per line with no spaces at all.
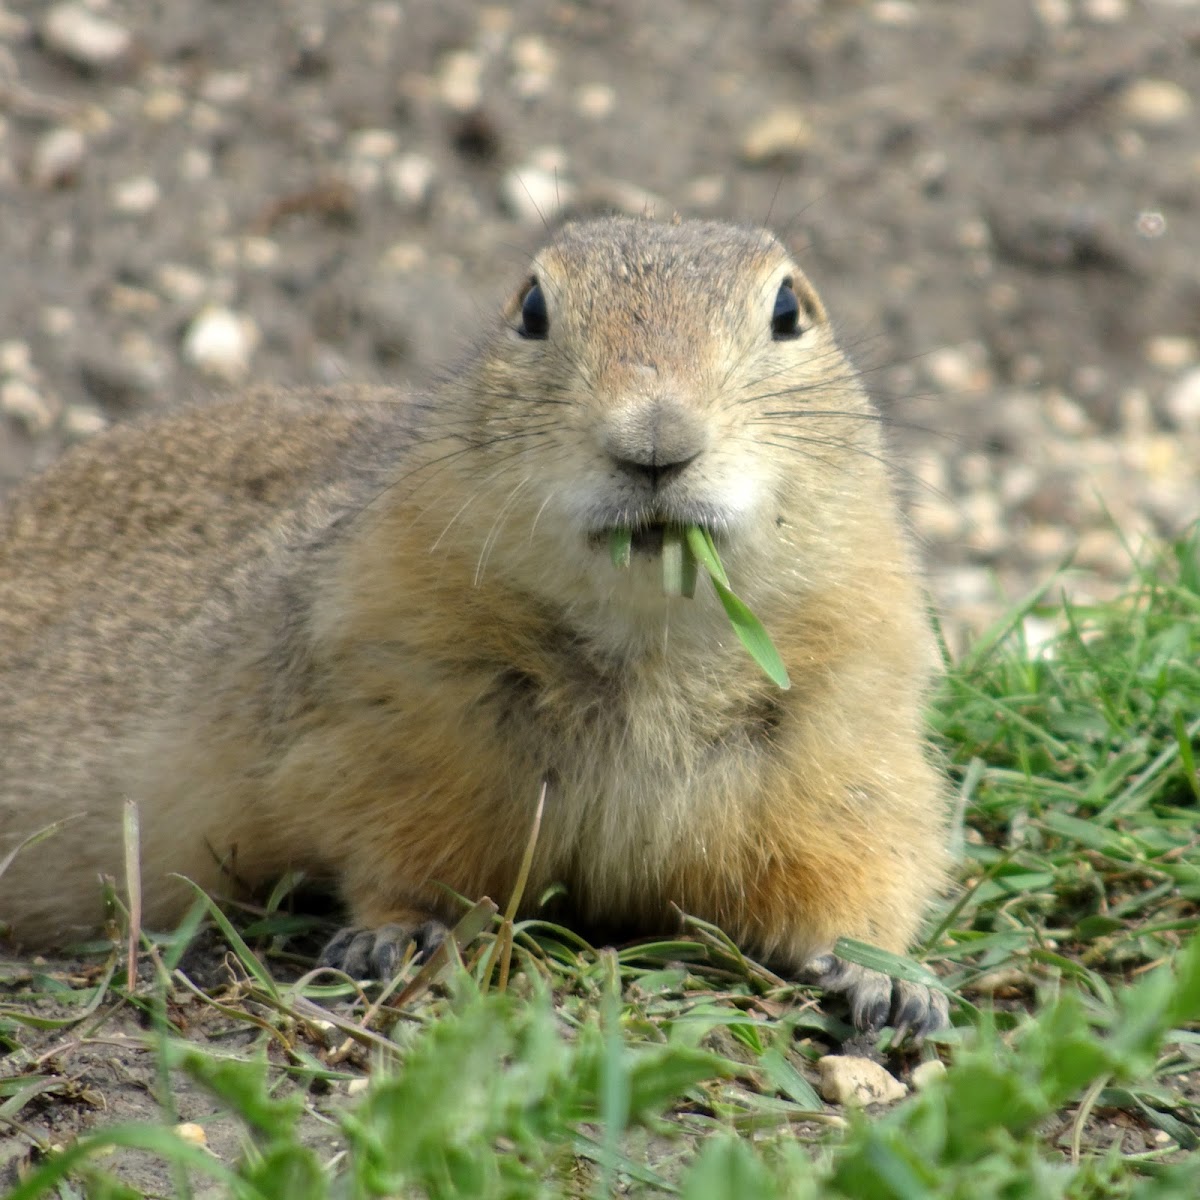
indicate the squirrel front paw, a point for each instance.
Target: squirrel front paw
{"x":876,"y":999}
{"x":378,"y":953}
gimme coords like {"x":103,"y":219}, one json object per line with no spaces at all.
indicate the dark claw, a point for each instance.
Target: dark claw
{"x":378,"y":953}
{"x":875,"y":999}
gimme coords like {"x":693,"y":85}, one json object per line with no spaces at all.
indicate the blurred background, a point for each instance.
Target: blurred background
{"x":1000,"y":201}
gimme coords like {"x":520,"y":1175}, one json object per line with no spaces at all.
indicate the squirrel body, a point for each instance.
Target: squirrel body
{"x":355,"y":633}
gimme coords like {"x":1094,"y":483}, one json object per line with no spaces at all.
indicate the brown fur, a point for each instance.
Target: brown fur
{"x":354,"y":634}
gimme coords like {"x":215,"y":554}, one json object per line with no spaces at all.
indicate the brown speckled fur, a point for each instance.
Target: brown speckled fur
{"x":355,"y":633}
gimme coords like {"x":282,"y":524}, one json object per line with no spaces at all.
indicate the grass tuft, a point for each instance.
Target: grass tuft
{"x":681,"y":1068}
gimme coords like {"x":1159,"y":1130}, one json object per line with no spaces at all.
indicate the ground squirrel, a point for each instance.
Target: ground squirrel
{"x":356,"y":633}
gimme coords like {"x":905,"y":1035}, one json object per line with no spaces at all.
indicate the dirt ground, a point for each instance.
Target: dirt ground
{"x":999,"y":201}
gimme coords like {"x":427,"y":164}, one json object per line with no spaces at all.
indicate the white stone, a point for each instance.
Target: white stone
{"x":24,"y":403}
{"x":534,"y":195}
{"x":259,"y":253}
{"x":81,"y":421}
{"x":536,"y":63}
{"x":226,"y":87}
{"x":1053,"y":13}
{"x":1065,"y":416}
{"x":959,"y":369}
{"x":895,"y":12}
{"x":195,"y":165}
{"x":57,"y":157}
{"x":923,"y":1074}
{"x":192,"y":1133}
{"x":459,"y":80}
{"x":1182,"y":401}
{"x":375,"y":144}
{"x":1106,"y":12}
{"x":780,"y":134}
{"x":706,"y":191}
{"x":409,"y":179}
{"x":162,"y":105}
{"x":845,"y":1079}
{"x":1155,"y":102}
{"x":85,"y":38}
{"x":57,"y":320}
{"x":137,"y":196}
{"x":220,"y":343}
{"x":179,"y":283}
{"x":532,"y":53}
{"x":595,"y":100}
{"x":1171,"y":352}
{"x":16,"y":358}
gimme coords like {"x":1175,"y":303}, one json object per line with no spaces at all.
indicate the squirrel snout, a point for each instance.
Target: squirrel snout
{"x":655,"y":440}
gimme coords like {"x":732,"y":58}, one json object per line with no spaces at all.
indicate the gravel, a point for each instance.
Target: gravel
{"x":999,"y":203}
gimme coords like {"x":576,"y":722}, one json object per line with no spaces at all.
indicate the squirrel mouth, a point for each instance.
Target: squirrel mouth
{"x":646,"y":539}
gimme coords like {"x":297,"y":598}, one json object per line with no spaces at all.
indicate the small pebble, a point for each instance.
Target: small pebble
{"x":777,"y":137}
{"x":192,"y":1133}
{"x":220,"y":343}
{"x":410,"y":179}
{"x":121,"y":381}
{"x":375,"y":144}
{"x":226,"y":87}
{"x":1182,"y":402}
{"x":458,"y":81}
{"x":535,"y":195}
{"x":895,"y":12}
{"x":57,"y":320}
{"x":1055,"y":14}
{"x":595,"y":101}
{"x":959,"y":370}
{"x":28,"y":406}
{"x":845,"y":1079}
{"x":536,"y":64}
{"x":1065,"y":416}
{"x":137,"y":196}
{"x":16,"y":358}
{"x":179,"y":283}
{"x":1155,"y":103}
{"x":1171,"y":352}
{"x":1106,"y":12}
{"x":57,"y":158}
{"x":259,"y":253}
{"x":923,"y":1074}
{"x":82,"y":421}
{"x":706,"y":191}
{"x":83,"y":37}
{"x":163,"y":105}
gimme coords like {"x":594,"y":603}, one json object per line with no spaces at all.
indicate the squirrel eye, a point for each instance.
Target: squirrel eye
{"x":535,"y":320}
{"x":785,"y":320}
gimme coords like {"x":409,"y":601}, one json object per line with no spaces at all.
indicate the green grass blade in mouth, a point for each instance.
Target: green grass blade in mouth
{"x":684,"y":550}
{"x":704,"y":550}
{"x":620,"y":546}
{"x":678,"y":563}
{"x":753,"y":636}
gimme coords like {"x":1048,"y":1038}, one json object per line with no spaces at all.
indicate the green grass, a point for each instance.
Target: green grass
{"x":681,"y":1068}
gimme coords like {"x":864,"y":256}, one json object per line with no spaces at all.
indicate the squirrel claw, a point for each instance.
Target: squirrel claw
{"x":378,"y":953}
{"x":876,"y":999}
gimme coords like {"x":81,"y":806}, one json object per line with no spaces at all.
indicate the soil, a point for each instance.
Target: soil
{"x":998,"y":200}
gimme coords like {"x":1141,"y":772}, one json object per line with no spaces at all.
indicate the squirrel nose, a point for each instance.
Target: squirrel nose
{"x":655,"y":441}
